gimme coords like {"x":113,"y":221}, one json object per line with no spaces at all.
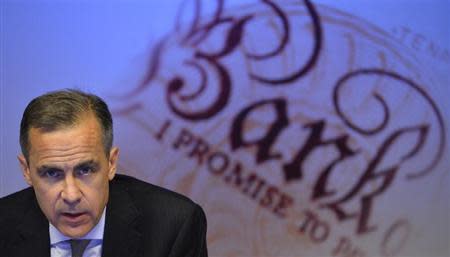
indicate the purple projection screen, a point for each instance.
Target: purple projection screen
{"x":303,"y":128}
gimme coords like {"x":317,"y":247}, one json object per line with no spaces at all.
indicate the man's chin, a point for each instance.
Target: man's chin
{"x":75,"y":231}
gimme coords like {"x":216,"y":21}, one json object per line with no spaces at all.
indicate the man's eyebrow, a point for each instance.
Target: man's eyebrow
{"x":88,"y":163}
{"x":45,"y":168}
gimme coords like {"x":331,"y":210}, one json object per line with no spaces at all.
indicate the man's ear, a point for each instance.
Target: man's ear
{"x":25,"y":169}
{"x":113,"y":158}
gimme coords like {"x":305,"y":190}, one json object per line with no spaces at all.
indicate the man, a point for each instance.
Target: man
{"x":77,"y":205}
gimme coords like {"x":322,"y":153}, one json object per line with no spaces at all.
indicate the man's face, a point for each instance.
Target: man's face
{"x":69,"y":172}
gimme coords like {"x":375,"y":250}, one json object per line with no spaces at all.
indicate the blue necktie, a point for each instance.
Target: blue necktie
{"x":78,"y":246}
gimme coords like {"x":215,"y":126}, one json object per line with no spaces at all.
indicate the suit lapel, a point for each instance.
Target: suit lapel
{"x":122,"y":236}
{"x":33,"y":237}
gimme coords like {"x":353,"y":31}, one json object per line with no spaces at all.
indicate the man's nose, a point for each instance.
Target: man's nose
{"x":71,"y":193}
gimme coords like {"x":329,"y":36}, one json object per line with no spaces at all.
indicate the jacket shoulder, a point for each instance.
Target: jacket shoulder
{"x":14,"y":204}
{"x":12,"y":209}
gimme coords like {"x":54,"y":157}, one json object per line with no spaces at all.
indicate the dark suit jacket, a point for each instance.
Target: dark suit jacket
{"x":141,"y":220}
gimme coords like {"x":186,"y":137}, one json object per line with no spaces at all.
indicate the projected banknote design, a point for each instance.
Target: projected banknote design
{"x":302,"y":112}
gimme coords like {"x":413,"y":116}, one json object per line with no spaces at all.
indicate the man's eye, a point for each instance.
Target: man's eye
{"x":84,"y":171}
{"x":53,"y":173}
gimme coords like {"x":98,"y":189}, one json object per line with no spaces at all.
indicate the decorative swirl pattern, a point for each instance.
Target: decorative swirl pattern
{"x":284,"y":38}
{"x":221,"y":100}
{"x":317,"y":34}
{"x":385,"y":120}
{"x":199,"y":31}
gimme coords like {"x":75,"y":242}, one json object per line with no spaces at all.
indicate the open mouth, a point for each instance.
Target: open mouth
{"x":73,"y":217}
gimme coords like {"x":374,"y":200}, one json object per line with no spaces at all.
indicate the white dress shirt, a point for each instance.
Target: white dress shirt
{"x":60,"y":247}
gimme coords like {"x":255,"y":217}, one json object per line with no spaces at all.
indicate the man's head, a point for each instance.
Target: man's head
{"x":68,"y":158}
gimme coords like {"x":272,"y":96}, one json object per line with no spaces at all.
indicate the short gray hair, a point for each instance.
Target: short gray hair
{"x":60,"y":109}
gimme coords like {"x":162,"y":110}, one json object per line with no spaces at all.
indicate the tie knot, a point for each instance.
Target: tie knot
{"x":78,"y":246}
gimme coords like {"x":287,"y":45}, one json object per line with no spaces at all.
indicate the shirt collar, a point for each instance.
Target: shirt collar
{"x":95,"y":233}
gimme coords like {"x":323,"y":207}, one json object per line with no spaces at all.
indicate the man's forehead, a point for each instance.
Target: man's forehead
{"x":79,"y":140}
{"x":67,"y":135}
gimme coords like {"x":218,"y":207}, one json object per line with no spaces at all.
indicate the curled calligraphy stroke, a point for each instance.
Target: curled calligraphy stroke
{"x":317,"y":33}
{"x":193,"y":35}
{"x":233,"y":38}
{"x":177,"y":83}
{"x":198,"y":32}
{"x":371,"y":131}
{"x":284,"y":38}
{"x":154,"y":63}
